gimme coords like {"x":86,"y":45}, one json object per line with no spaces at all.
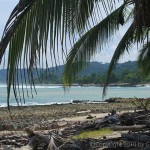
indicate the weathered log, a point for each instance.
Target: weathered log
{"x":126,"y":128}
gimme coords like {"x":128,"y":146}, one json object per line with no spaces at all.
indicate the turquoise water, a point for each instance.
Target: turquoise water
{"x":56,"y":94}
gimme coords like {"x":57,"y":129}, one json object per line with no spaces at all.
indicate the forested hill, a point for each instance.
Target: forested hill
{"x":95,"y":69}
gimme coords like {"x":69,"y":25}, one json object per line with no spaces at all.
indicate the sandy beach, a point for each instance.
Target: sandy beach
{"x":22,"y":117}
{"x":60,"y":117}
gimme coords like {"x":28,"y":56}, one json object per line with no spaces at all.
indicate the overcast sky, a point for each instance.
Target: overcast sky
{"x":6,"y":6}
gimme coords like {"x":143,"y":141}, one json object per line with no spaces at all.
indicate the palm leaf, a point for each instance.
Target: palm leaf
{"x":143,"y":59}
{"x":124,"y":45}
{"x":33,"y":22}
{"x":85,"y":48}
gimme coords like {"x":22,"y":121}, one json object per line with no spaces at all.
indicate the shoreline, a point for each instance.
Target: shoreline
{"x":41,"y":115}
{"x":73,"y":102}
{"x":92,"y":84}
{"x":46,"y":119}
{"x":25,"y":116}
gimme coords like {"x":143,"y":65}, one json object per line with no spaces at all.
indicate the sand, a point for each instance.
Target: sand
{"x":40,"y":115}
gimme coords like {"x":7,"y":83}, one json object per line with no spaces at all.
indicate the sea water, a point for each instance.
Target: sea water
{"x":55,"y":94}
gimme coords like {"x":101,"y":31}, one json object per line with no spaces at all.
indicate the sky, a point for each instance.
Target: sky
{"x":6,"y":6}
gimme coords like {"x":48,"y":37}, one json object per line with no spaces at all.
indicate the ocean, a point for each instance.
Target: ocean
{"x":55,"y":94}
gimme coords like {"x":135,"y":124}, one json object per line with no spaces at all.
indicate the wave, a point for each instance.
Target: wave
{"x":143,"y":86}
{"x":3,"y":85}
{"x":33,"y":104}
{"x":36,"y":86}
{"x":42,"y":86}
{"x":115,"y":87}
{"x":47,"y":87}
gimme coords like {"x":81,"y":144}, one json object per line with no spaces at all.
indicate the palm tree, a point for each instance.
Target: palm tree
{"x":135,"y":12}
{"x":36,"y":28}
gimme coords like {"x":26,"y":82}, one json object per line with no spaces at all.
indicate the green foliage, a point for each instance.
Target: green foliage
{"x":141,"y":104}
{"x":93,"y":134}
{"x":123,"y":76}
{"x":48,"y":79}
{"x":126,"y":76}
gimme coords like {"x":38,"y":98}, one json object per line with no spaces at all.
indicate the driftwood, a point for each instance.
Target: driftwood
{"x":36,"y":139}
{"x":54,"y":142}
{"x":51,"y":140}
{"x":126,"y":128}
{"x":44,"y":142}
{"x":10,"y":141}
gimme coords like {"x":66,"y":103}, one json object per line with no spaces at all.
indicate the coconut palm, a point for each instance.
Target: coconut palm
{"x":135,"y":12}
{"x":36,"y":28}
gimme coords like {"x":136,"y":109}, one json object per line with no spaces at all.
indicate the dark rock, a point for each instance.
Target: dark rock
{"x":126,"y":120}
{"x":8,"y":127}
{"x":89,"y":117}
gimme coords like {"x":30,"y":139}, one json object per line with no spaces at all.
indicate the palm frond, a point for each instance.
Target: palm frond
{"x":143,"y":59}
{"x":33,"y":23}
{"x":86,"y":47}
{"x":124,"y":45}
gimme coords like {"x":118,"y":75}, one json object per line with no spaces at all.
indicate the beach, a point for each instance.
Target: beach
{"x":47,"y":119}
{"x":30,"y":115}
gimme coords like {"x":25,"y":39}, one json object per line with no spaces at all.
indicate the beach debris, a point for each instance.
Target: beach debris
{"x":89,"y":117}
{"x":37,"y":140}
{"x":70,"y":145}
{"x":80,"y":101}
{"x":133,"y":128}
{"x":111,"y":100}
{"x":50,"y":141}
{"x":84,"y":112}
{"x":136,"y":137}
{"x":61,"y":138}
{"x":77,"y":145}
{"x":113,"y":117}
{"x":127,"y":119}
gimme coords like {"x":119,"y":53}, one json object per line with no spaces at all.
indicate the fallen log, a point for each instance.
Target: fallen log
{"x":126,"y":128}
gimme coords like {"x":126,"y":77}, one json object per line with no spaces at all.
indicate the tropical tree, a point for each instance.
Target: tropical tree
{"x":36,"y":28}
{"x":134,"y":12}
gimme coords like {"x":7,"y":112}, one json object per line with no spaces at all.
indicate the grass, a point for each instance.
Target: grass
{"x":93,"y":134}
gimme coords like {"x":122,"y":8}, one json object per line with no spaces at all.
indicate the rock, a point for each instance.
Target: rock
{"x":89,"y":117}
{"x":54,"y":125}
{"x":113,"y":119}
{"x":148,"y":124}
{"x":70,"y":146}
{"x":8,"y":127}
{"x":136,"y":137}
{"x":110,"y":100}
{"x":126,"y":120}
